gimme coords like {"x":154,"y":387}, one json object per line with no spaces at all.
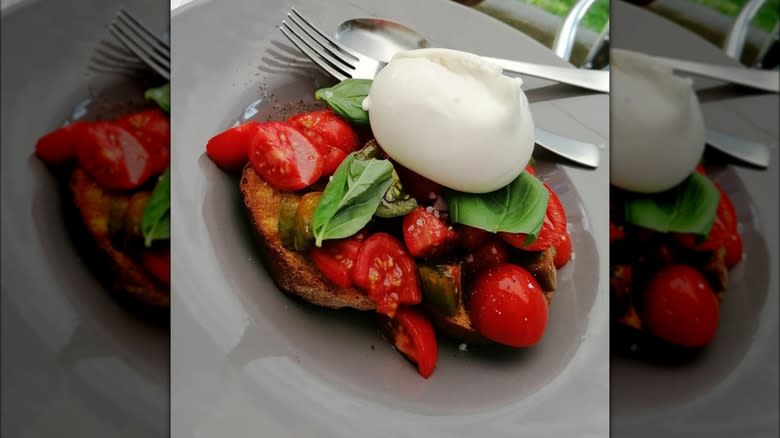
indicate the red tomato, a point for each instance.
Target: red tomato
{"x":387,"y":273}
{"x":701,"y":170}
{"x":426,"y":234}
{"x":471,"y":238}
{"x":336,"y":258}
{"x":553,"y":228}
{"x":507,"y":306}
{"x":724,"y":226}
{"x":680,"y":307}
{"x":330,"y":134}
{"x":229,"y":149}
{"x":284,"y":157}
{"x":493,"y":252}
{"x":530,"y":169}
{"x":733,"y":250}
{"x":413,"y":335}
{"x":158,"y":262}
{"x":59,"y":146}
{"x":616,"y":232}
{"x":421,"y":188}
{"x":563,"y":251}
{"x":153,"y":129}
{"x":114,"y":157}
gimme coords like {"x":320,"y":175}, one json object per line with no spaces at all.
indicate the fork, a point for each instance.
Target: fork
{"x":144,"y":44}
{"x":341,"y":62}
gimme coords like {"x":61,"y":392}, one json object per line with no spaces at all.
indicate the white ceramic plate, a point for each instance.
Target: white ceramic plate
{"x":732,"y":387}
{"x":73,"y":360}
{"x":247,"y":359}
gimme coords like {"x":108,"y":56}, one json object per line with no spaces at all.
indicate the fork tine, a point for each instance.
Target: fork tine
{"x":312,"y":53}
{"x":322,"y":49}
{"x":162,"y":44}
{"x":163,"y":57}
{"x":162,"y":69}
{"x":335,"y":45}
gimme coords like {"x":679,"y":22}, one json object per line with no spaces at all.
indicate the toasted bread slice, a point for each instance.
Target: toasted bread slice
{"x":128,"y":277}
{"x":296,"y":275}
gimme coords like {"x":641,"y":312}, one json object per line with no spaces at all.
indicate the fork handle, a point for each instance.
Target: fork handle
{"x":766,"y":80}
{"x":596,"y":80}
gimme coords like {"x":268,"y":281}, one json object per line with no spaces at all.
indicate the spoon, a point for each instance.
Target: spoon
{"x":381,"y":39}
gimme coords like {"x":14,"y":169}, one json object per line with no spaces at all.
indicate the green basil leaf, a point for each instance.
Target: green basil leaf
{"x":351,"y":197}
{"x":690,"y":207}
{"x":519,"y":207}
{"x":160,"y":95}
{"x":346,"y":99}
{"x":156,"y":219}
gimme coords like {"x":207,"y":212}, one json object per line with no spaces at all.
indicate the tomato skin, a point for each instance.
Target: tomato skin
{"x":114,"y":157}
{"x":733,"y":250}
{"x":336,"y":258}
{"x":284,"y":157}
{"x":158,"y":262}
{"x":680,"y":307}
{"x":471,"y":238}
{"x":616,"y":232}
{"x":493,"y":252}
{"x":425,"y":234}
{"x":59,"y":146}
{"x":553,"y":228}
{"x":412,"y":334}
{"x":153,"y":129}
{"x":421,"y":188}
{"x":563,"y":251}
{"x":530,"y":169}
{"x":387,"y":273}
{"x":724,"y":226}
{"x":507,"y":306}
{"x":230,"y":149}
{"x":333,"y":137}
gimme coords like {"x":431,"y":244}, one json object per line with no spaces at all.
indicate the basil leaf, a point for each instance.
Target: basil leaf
{"x":346,"y":99}
{"x":160,"y":95}
{"x":690,"y":207}
{"x":156,"y":219}
{"x":351,"y":197}
{"x":519,"y":207}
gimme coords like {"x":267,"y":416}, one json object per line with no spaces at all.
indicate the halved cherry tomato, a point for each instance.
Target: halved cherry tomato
{"x":114,"y":157}
{"x":563,"y":251}
{"x":153,"y":129}
{"x":386,"y":271}
{"x":680,"y":307}
{"x":426,"y":234}
{"x":336,"y":258}
{"x":330,"y":134}
{"x":701,"y":170}
{"x":507,"y":306}
{"x":724,"y":226}
{"x":471,"y":238}
{"x":421,"y":188}
{"x":553,"y":228}
{"x":59,"y":146}
{"x":733,"y":250}
{"x":229,"y":149}
{"x":616,"y":232}
{"x":413,"y":335}
{"x":530,"y":169}
{"x":158,"y":262}
{"x":493,"y":252}
{"x":284,"y":157}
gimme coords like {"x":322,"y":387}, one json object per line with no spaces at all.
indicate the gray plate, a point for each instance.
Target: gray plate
{"x":73,"y":359}
{"x":732,"y":387}
{"x":247,"y":358}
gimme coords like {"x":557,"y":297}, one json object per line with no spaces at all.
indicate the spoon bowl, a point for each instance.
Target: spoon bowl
{"x":379,"y":38}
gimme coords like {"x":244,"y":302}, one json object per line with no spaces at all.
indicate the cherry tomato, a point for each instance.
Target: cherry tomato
{"x":426,"y":234}
{"x":333,"y":137}
{"x":724,"y":226}
{"x":530,"y":169}
{"x":733,"y":250}
{"x":158,"y":262}
{"x":471,"y":238}
{"x":229,"y":149}
{"x":284,"y":157}
{"x":114,"y":157}
{"x":507,"y":306}
{"x":386,"y":271}
{"x":701,"y":170}
{"x":563,"y":251}
{"x":680,"y":307}
{"x":616,"y":232}
{"x":421,"y":188}
{"x":553,"y":228}
{"x":153,"y":129}
{"x":336,"y":258}
{"x":493,"y":252}
{"x":413,"y":335}
{"x":60,"y":145}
